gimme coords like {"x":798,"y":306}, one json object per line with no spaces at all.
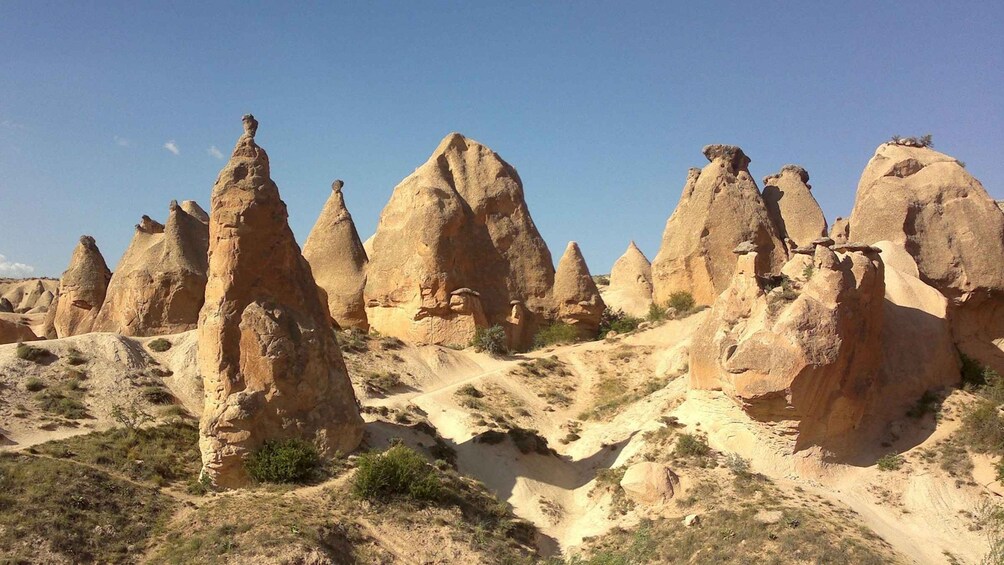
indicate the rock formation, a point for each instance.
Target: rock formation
{"x":576,"y":297}
{"x":942,"y":216}
{"x":828,"y":360}
{"x":338,"y":261}
{"x":28,"y":294}
{"x":840,"y":231}
{"x":81,"y":291}
{"x":5,"y":305}
{"x":159,"y":284}
{"x":458,"y":222}
{"x":719,"y":209}
{"x":267,"y":350}
{"x":630,"y":288}
{"x":791,"y":205}
{"x":14,"y":328}
{"x":647,"y":482}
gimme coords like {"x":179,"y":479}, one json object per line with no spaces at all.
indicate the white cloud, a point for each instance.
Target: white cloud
{"x":215,"y":152}
{"x":172,"y":147}
{"x":122,"y":142}
{"x":11,"y":125}
{"x":8,"y":269}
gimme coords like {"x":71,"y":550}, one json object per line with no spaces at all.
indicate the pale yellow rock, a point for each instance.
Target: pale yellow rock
{"x":14,"y":328}
{"x":159,"y":285}
{"x":649,"y":483}
{"x":576,"y":297}
{"x":82,"y":290}
{"x":840,"y":232}
{"x":789,"y":201}
{"x":719,"y":209}
{"x":338,"y":261}
{"x":459,"y":221}
{"x":266,"y":348}
{"x":630,"y":289}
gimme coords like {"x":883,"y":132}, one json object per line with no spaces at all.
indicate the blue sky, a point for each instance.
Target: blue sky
{"x":110,"y":110}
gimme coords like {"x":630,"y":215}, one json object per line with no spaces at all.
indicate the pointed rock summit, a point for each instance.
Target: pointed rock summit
{"x":630,"y":288}
{"x":792,"y":207}
{"x":338,"y":261}
{"x":926,"y":202}
{"x":159,"y":284}
{"x":267,"y":351}
{"x":82,"y":290}
{"x":460,"y":221}
{"x":576,"y":297}
{"x":719,"y":209}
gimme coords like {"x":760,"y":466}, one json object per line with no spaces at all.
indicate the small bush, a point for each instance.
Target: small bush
{"x":469,"y":390}
{"x":739,"y":466}
{"x":682,"y":301}
{"x":32,"y":353}
{"x":352,"y":340}
{"x":392,"y":343}
{"x":283,"y":461}
{"x":617,"y":321}
{"x":555,"y":334}
{"x":131,"y":417}
{"x":159,"y":345}
{"x":398,"y":472}
{"x":381,"y":383}
{"x":656,"y":313}
{"x":601,"y":280}
{"x":157,"y":395}
{"x":691,"y":445}
{"x":75,"y":357}
{"x":808,"y":271}
{"x":890,"y":462}
{"x":928,"y":403}
{"x":34,"y":384}
{"x":491,"y":340}
{"x":983,"y":428}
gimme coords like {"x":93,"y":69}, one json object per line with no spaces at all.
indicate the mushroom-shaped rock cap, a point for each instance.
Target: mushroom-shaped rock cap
{"x":807,"y":250}
{"x":88,"y":241}
{"x":250,"y":125}
{"x":803,"y":175}
{"x":824,"y":241}
{"x":337,"y":185}
{"x":856,"y":246}
{"x":460,"y":291}
{"x":515,"y":302}
{"x":745,"y":248}
{"x":731,"y":154}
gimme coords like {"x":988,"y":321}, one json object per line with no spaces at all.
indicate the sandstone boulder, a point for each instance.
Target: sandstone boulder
{"x":27,"y":294}
{"x":926,"y":202}
{"x":630,"y":289}
{"x":82,"y":290}
{"x":5,"y":305}
{"x":576,"y":297}
{"x":649,"y":483}
{"x":791,"y":205}
{"x":459,"y":221}
{"x":14,"y":328}
{"x":338,"y":261}
{"x":267,"y":351}
{"x":159,"y":284}
{"x":720,"y":208}
{"x":840,"y":231}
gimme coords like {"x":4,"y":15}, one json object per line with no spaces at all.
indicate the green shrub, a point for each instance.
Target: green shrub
{"x":890,"y":462}
{"x":381,"y":382}
{"x":656,"y":313}
{"x":983,"y":428}
{"x":157,"y":395}
{"x":808,"y":271}
{"x":352,"y":340}
{"x":691,"y":445}
{"x":34,"y":384}
{"x":491,"y":340}
{"x":739,"y":466}
{"x":982,"y":380}
{"x":75,"y":357}
{"x":555,"y":334}
{"x":32,"y":353}
{"x":928,"y":403}
{"x":283,"y":461}
{"x":617,"y":321}
{"x":63,"y":400}
{"x":159,"y":345}
{"x":682,"y":301}
{"x":398,"y":472}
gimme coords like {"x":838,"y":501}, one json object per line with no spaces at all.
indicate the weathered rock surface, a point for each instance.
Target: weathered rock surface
{"x":576,"y":297}
{"x":159,"y":284}
{"x":14,"y":328}
{"x":28,"y":294}
{"x":789,"y":201}
{"x":338,"y":261}
{"x":267,"y":350}
{"x":719,"y":209}
{"x":649,"y":483}
{"x":459,"y":221}
{"x":840,"y":231}
{"x":630,"y":283}
{"x":82,"y":290}
{"x":942,"y":216}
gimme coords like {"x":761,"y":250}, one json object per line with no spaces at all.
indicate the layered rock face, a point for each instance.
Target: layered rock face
{"x":719,"y":209}
{"x":459,"y":221}
{"x":267,"y":350}
{"x":830,"y":360}
{"x":13,"y":329}
{"x":82,"y":290}
{"x":576,"y":297}
{"x":791,"y":205}
{"x":159,"y":284}
{"x":630,"y":283}
{"x":942,"y":216}
{"x":338,"y":261}
{"x":28,"y":296}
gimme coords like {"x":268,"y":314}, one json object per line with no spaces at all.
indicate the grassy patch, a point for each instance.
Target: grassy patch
{"x":64,"y":400}
{"x":556,"y":334}
{"x":691,"y":445}
{"x":283,"y":461}
{"x":381,"y":382}
{"x":161,"y":455}
{"x":890,"y":462}
{"x":159,"y":345}
{"x":77,"y":513}
{"x":617,"y":321}
{"x":398,"y":472}
{"x":155,"y":394}
{"x":75,"y":357}
{"x":353,"y":340}
{"x":612,"y":394}
{"x":34,"y":384}
{"x":32,"y":353}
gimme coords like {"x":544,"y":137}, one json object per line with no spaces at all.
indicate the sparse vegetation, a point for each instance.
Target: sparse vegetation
{"x":381,"y":382}
{"x":159,"y":345}
{"x":398,"y":472}
{"x":75,"y":357}
{"x":155,"y":394}
{"x":612,"y":394}
{"x":928,"y":403}
{"x":601,"y":280}
{"x":352,"y":340}
{"x":491,"y":340}
{"x":990,"y":520}
{"x":808,"y":271}
{"x":691,"y":445}
{"x":131,"y":417}
{"x":283,"y":461}
{"x":63,"y":400}
{"x":32,"y":353}
{"x":890,"y":462}
{"x":656,"y":313}
{"x":558,"y":333}
{"x":683,"y":302}
{"x":617,"y":321}
{"x":34,"y":384}
{"x":926,"y":140}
